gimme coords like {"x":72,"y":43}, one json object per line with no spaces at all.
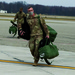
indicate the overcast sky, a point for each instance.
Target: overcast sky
{"x":66,"y":3}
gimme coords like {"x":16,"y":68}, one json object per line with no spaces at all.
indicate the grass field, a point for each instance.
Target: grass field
{"x":50,"y":17}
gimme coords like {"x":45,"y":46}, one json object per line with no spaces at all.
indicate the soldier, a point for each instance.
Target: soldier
{"x":20,"y":17}
{"x":36,"y":33}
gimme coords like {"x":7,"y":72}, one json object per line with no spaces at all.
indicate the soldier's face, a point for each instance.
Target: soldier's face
{"x":30,"y":11}
{"x":20,"y":10}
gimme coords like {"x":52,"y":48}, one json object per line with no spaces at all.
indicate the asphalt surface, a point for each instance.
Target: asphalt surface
{"x":16,"y":59}
{"x":7,"y":39}
{"x":19,"y":61}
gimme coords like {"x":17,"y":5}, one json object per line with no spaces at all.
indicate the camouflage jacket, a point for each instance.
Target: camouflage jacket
{"x":35,"y":27}
{"x":20,"y":17}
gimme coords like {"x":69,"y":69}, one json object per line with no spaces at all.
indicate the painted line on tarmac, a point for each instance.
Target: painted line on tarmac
{"x":55,"y":66}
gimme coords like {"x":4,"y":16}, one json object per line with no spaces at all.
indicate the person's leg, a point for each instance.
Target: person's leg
{"x":36,"y":53}
{"x":31,"y":45}
{"x":18,"y":35}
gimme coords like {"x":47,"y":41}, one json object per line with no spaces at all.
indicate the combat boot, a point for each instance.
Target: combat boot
{"x":35,"y":62}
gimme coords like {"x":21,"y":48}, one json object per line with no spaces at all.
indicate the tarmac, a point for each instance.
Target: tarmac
{"x":16,"y":59}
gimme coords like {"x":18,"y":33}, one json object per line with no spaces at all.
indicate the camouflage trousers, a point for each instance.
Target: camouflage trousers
{"x":34,"y":44}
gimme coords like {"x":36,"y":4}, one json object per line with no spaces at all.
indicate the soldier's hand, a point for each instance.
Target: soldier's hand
{"x":47,"y":36}
{"x":22,"y":32}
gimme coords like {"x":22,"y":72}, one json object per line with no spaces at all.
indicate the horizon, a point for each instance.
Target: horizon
{"x":67,"y":3}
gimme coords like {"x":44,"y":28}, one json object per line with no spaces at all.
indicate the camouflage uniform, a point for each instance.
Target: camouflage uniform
{"x":36,"y":34}
{"x":20,"y":17}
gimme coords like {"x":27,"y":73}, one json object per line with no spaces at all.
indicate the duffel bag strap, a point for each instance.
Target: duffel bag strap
{"x":51,"y":43}
{"x":46,"y":41}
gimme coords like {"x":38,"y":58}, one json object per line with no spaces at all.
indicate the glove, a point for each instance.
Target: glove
{"x":22,"y":32}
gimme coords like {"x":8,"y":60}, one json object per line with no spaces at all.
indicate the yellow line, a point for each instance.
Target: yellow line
{"x":56,"y":66}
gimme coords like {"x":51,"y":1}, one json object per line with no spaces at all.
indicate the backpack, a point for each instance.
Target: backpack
{"x":26,"y":29}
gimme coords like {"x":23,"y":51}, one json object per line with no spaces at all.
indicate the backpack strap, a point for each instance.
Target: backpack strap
{"x":44,"y":34}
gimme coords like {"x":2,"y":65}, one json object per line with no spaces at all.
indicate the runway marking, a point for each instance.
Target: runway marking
{"x":56,"y":66}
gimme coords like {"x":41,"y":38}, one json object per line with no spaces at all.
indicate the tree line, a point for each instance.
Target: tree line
{"x":39,"y":9}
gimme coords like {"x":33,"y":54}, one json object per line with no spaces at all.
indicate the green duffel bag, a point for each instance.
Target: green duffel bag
{"x":13,"y":30}
{"x":52,"y":34}
{"x":48,"y":51}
